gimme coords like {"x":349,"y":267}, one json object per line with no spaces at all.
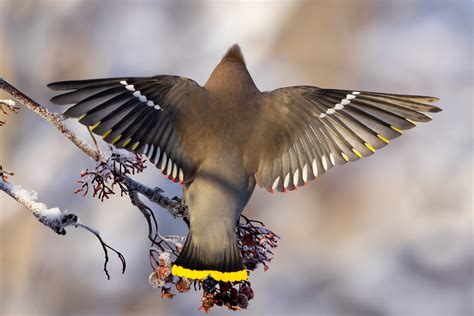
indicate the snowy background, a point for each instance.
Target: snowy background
{"x":389,"y":235}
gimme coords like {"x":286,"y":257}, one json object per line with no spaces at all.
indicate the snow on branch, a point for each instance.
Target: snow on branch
{"x":54,"y":218}
{"x":50,"y":217}
{"x":10,"y":105}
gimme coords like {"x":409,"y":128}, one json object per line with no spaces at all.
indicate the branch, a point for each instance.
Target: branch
{"x":174,"y":205}
{"x":54,"y":218}
{"x":176,"y":208}
{"x":57,"y":120}
{"x":50,"y":217}
{"x":57,"y":220}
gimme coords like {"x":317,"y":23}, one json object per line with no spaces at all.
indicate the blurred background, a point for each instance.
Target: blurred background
{"x":391,"y":234}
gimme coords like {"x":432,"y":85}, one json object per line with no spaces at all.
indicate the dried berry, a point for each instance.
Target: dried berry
{"x":247,"y":291}
{"x":225,"y":286}
{"x":164,"y":259}
{"x":163,"y":272}
{"x":250,"y":265}
{"x":233,"y":293}
{"x":248,"y":240}
{"x":166,"y":293}
{"x":207,"y":302}
{"x":218,"y":297}
{"x":242,"y":301}
{"x":155,"y":280}
{"x":183,"y":285}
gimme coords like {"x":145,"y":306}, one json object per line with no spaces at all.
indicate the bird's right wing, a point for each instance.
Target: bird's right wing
{"x":143,"y":115}
{"x":304,"y":130}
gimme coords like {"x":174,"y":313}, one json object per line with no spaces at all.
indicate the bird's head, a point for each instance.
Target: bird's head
{"x":234,"y":54}
{"x":231,"y":73}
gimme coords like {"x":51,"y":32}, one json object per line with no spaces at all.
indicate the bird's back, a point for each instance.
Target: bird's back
{"x":220,"y":125}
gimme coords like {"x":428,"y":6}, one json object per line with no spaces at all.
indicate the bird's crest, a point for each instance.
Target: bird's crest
{"x":235,"y":54}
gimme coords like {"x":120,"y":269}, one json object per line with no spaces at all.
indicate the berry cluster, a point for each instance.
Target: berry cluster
{"x":162,"y":277}
{"x":234,"y":296}
{"x":110,"y":173}
{"x":255,"y":242}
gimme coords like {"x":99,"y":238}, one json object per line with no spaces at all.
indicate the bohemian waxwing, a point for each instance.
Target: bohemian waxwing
{"x":221,"y":139}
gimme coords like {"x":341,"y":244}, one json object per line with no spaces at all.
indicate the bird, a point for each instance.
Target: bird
{"x":222,"y":139}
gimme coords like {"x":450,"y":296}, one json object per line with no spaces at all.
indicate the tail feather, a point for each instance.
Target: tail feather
{"x":196,"y":262}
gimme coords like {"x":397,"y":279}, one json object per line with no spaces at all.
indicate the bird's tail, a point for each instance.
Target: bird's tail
{"x":198,"y":262}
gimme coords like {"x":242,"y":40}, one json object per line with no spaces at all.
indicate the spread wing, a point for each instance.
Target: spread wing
{"x":314,"y":129}
{"x":139,"y":114}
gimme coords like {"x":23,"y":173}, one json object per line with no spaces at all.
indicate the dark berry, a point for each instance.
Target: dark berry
{"x":209,"y":285}
{"x":225,"y":286}
{"x":248,"y":240}
{"x":242,"y":301}
{"x":247,"y":291}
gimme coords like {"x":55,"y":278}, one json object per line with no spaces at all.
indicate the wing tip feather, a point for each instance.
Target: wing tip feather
{"x":56,"y":85}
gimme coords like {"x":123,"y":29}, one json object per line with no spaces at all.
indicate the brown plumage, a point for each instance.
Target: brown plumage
{"x":222,"y":139}
{"x":234,"y":53}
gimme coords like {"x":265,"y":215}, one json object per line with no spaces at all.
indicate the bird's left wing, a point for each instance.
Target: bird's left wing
{"x":139,"y":114}
{"x":306,"y":130}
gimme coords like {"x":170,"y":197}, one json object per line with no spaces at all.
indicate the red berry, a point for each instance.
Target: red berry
{"x":247,"y":291}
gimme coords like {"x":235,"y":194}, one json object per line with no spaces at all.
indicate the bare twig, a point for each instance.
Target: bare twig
{"x":94,"y":140}
{"x":104,"y":247}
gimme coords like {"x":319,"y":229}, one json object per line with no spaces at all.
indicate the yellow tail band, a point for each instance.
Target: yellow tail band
{"x":216,"y":275}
